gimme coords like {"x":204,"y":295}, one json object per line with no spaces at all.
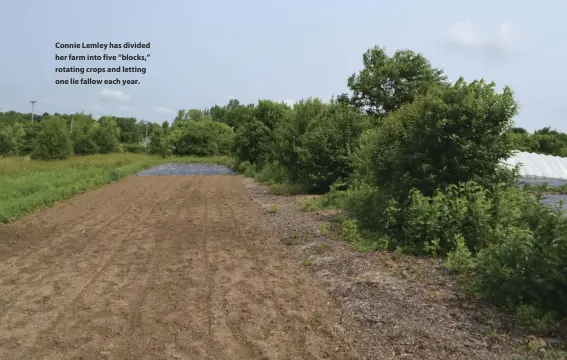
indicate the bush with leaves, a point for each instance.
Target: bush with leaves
{"x":506,"y":246}
{"x":453,"y":134}
{"x":86,"y":145}
{"x":11,"y":139}
{"x":202,"y":138}
{"x":255,"y":140}
{"x":53,"y":141}
{"x":524,"y":262}
{"x":159,"y":143}
{"x":289,"y":134}
{"x":136,"y":148}
{"x":325,"y":153}
{"x":29,"y":139}
{"x":107,"y":135}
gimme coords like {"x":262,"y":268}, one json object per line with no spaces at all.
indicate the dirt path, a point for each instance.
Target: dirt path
{"x":171,"y":267}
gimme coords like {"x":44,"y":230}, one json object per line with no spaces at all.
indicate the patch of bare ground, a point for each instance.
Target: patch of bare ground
{"x":397,"y":308}
{"x":175,"y":267}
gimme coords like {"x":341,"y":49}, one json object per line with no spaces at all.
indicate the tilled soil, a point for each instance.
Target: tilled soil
{"x":175,"y":267}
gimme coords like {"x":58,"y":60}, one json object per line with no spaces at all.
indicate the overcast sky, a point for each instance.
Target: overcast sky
{"x":205,"y":52}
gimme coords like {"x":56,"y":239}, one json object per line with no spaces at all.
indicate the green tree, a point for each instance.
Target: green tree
{"x":289,"y":134}
{"x":53,"y":141}
{"x":11,"y":139}
{"x":159,"y":143}
{"x":386,"y":83}
{"x":31,"y":133}
{"x":129,"y":130}
{"x":256,"y":137}
{"x":7,"y":144}
{"x":203,"y":138}
{"x":327,"y":146}
{"x":453,"y":134}
{"x":107,"y":135}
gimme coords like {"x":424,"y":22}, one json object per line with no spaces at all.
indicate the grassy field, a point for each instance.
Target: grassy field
{"x":26,"y":185}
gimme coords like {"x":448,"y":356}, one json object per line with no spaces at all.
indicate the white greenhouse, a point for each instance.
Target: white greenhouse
{"x":538,"y":166}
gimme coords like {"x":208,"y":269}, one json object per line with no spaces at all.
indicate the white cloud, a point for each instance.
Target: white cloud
{"x":507,"y":36}
{"x":95,"y":107}
{"x":115,"y":95}
{"x":127,"y":108}
{"x":230,"y":97}
{"x":164,"y":110}
{"x":464,"y":34}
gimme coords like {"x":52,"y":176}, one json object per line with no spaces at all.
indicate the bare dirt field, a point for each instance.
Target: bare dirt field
{"x":175,"y":267}
{"x":205,"y":267}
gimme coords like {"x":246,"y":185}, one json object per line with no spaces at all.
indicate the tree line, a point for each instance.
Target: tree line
{"x":413,"y":158}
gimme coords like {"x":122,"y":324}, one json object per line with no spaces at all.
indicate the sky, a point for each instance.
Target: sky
{"x":206,"y":52}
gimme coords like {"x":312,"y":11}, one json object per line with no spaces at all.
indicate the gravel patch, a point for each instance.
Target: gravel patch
{"x":187,"y":169}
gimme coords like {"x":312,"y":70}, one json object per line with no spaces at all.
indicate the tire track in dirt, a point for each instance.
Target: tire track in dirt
{"x":248,"y":228}
{"x":154,"y":267}
{"x":208,"y":283}
{"x":173,"y":320}
{"x":255,"y":264}
{"x":266,"y":304}
{"x":236,"y":346}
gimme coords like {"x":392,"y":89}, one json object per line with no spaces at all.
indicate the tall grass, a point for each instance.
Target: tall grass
{"x":26,"y":185}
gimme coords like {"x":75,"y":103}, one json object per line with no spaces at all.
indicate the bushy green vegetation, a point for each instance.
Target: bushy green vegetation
{"x":412,"y":158}
{"x":414,"y":162}
{"x":58,"y":136}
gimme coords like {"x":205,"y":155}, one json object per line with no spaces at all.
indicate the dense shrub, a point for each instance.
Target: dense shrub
{"x":202,"y":138}
{"x":289,"y":134}
{"x":453,"y":134}
{"x":136,"y":148}
{"x":28,"y":141}
{"x":507,"y":247}
{"x":255,"y":139}
{"x":86,"y":145}
{"x":9,"y":140}
{"x":107,"y":135}
{"x":159,"y":143}
{"x":327,"y":145}
{"x":53,"y":141}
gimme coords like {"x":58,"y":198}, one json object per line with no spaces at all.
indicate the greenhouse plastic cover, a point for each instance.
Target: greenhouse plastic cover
{"x":538,"y":166}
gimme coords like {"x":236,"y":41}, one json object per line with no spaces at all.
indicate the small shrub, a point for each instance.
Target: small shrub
{"x":137,"y":148}
{"x":460,"y":259}
{"x":275,"y":208}
{"x":535,"y":320}
{"x":349,"y":232}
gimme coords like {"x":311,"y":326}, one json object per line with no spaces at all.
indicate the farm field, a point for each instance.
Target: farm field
{"x":217,"y":267}
{"x":27,"y":184}
{"x":158,"y":267}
